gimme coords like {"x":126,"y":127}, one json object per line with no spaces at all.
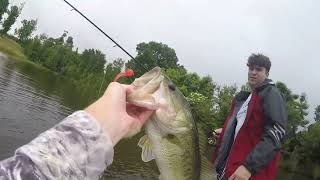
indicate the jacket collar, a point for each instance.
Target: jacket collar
{"x":265,"y":83}
{"x":243,"y":95}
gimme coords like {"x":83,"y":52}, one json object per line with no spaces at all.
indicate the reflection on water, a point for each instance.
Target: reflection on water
{"x":32,"y":100}
{"x":26,"y":109}
{"x":128,"y":164}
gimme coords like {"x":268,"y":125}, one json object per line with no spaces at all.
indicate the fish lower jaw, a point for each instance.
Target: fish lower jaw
{"x":150,"y":106}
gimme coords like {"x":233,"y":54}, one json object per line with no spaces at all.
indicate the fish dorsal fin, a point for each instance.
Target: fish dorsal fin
{"x":147,"y":153}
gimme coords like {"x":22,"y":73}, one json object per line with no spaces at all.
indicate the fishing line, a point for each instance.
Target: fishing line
{"x":117,"y":44}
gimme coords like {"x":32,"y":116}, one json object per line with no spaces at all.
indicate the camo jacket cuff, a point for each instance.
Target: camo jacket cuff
{"x":76,"y":148}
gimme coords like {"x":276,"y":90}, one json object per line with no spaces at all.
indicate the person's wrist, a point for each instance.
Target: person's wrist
{"x":98,"y":111}
{"x":117,"y":129}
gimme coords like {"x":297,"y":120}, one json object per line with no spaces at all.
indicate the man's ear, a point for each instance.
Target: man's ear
{"x":267,"y":74}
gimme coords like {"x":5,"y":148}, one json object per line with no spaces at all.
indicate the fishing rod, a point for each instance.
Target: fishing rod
{"x":117,"y":44}
{"x":127,"y":73}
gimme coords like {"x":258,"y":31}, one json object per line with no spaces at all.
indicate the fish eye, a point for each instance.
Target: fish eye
{"x":172,"y":87}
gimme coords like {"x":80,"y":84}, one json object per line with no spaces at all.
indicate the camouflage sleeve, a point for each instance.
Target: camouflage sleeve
{"x":76,"y":148}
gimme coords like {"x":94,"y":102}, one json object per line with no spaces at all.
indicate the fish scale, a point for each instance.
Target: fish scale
{"x":174,"y":160}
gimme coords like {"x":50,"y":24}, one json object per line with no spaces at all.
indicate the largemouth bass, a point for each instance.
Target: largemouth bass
{"x":171,"y":134}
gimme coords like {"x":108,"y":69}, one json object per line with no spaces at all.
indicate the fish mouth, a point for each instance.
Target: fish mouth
{"x":151,"y":91}
{"x":147,"y":77}
{"x":144,"y":88}
{"x":152,"y":106}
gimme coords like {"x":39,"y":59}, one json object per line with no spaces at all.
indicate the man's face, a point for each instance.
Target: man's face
{"x":256,"y":75}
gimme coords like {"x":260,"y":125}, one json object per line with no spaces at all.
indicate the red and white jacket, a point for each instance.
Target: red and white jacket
{"x":259,"y":140}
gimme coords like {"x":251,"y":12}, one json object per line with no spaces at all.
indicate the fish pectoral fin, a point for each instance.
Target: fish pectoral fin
{"x":147,"y":153}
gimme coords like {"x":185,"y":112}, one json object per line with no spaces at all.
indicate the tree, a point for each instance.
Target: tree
{"x":3,"y":7}
{"x":317,"y":114}
{"x":33,"y":48}
{"x":199,"y":93}
{"x":60,"y":40}
{"x":13,"y":14}
{"x":153,"y":54}
{"x":92,"y":61}
{"x":222,"y":102}
{"x":69,"y":42}
{"x":297,"y":107}
{"x":308,"y":150}
{"x":246,"y":87}
{"x":25,"y":32}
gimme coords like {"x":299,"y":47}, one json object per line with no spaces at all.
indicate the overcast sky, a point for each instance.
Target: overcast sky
{"x":210,"y":37}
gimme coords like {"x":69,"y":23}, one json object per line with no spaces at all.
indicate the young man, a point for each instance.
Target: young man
{"x":250,"y":141}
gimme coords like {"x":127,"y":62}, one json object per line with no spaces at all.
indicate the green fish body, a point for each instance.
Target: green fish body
{"x":171,"y":135}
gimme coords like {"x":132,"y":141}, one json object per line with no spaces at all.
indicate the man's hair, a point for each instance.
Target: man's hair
{"x":259,"y":60}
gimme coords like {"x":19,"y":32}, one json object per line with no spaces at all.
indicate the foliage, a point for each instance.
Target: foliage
{"x":153,"y":54}
{"x":303,"y":145}
{"x":310,"y":144}
{"x":297,"y":109}
{"x":3,"y":8}
{"x":246,"y":87}
{"x":199,"y":93}
{"x":13,"y":14}
{"x":196,"y":98}
{"x":87,"y":69}
{"x":25,"y":32}
{"x":306,"y":152}
{"x":317,"y":114}
{"x":223,"y":98}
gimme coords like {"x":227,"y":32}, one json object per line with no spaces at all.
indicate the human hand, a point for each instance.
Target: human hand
{"x":242,"y":173}
{"x":217,"y":132}
{"x":115,"y":115}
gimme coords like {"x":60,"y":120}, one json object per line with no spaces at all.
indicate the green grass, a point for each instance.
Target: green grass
{"x":11,"y":48}
{"x":14,"y":51}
